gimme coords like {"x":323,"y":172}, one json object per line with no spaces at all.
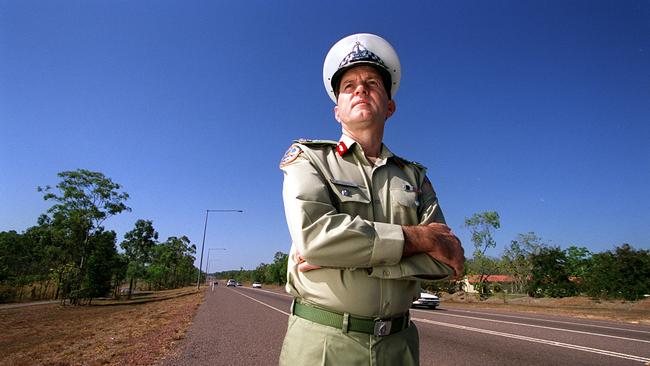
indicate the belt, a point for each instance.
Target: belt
{"x":347,"y":322}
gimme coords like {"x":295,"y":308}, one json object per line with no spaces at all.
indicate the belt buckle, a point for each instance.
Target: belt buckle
{"x":382,"y":327}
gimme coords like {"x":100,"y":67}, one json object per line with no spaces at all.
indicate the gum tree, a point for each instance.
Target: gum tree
{"x":517,"y":258}
{"x":138,"y":248}
{"x":83,"y":200}
{"x":481,"y":225}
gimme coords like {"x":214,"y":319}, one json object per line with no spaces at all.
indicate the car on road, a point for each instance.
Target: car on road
{"x":426,"y":300}
{"x":257,"y":285}
{"x":231,"y":282}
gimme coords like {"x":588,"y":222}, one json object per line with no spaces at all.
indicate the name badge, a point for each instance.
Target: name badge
{"x":344,"y":183}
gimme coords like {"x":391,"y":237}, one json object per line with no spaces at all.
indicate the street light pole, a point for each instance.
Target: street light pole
{"x":205,"y":227}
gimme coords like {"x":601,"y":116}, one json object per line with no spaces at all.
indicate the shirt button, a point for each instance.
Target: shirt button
{"x":386,"y":273}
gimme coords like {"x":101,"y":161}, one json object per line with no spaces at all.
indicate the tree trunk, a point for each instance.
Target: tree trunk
{"x":130,"y":288}
{"x":84,"y":249}
{"x":20,"y":293}
{"x":43,"y":292}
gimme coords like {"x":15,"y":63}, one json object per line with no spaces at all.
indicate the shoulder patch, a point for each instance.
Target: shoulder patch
{"x":292,"y":154}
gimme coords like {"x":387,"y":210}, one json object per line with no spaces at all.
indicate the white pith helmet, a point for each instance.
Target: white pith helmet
{"x":361,"y":49}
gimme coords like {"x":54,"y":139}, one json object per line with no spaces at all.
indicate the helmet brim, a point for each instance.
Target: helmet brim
{"x":385,"y":75}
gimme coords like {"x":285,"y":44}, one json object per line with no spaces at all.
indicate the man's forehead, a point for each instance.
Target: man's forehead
{"x":360,"y":70}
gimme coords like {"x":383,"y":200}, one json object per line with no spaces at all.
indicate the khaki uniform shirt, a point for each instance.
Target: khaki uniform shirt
{"x":345,"y":215}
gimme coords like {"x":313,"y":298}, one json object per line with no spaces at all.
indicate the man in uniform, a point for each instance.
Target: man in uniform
{"x":366,"y":225}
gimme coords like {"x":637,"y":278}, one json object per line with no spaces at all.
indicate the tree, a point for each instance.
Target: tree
{"x":577,"y":259}
{"x":13,"y":259}
{"x":550,"y":274}
{"x":172,"y":264}
{"x":119,"y":272}
{"x":186,"y":272}
{"x":621,"y":274}
{"x":516,"y":258}
{"x":26,"y":259}
{"x":481,"y":226}
{"x":83,"y":201}
{"x":259,"y":274}
{"x":276,"y":272}
{"x":138,"y":246}
{"x":181,"y":248}
{"x":101,"y":260}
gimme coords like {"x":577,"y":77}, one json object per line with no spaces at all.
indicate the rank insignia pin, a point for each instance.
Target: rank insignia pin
{"x":341,"y":148}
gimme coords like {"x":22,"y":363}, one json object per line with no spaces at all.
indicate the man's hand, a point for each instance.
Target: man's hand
{"x":303,"y":266}
{"x":438,"y":242}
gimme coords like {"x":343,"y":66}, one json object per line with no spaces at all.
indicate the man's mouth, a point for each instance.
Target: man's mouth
{"x":358,"y":102}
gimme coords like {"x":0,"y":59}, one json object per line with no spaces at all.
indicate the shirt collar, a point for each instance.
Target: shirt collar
{"x":346,"y":143}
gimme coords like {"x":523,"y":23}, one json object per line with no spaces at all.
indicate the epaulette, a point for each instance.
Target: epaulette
{"x":409,"y":162}
{"x":315,"y":142}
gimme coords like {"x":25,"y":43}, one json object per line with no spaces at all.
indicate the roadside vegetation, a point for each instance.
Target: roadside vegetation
{"x":529,"y":266}
{"x":70,"y":255}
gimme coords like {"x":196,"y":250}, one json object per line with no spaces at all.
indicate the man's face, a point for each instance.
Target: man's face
{"x":362,"y":98}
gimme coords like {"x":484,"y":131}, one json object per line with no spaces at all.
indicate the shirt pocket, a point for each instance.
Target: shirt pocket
{"x":405,"y":204}
{"x":352,"y":198}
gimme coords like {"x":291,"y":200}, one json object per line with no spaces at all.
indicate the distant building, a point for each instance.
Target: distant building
{"x":468,"y":282}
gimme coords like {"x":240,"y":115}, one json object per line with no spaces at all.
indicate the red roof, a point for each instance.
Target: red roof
{"x":490,"y":278}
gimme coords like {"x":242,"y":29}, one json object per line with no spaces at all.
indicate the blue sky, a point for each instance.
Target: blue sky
{"x":537,"y":110}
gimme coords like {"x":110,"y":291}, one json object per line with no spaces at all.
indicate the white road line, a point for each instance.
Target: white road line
{"x":267,"y":291}
{"x":537,"y":340}
{"x":540,"y":326}
{"x":265,"y":304}
{"x":553,"y":321}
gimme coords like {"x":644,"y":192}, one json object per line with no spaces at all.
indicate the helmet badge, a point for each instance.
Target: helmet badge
{"x":361,"y":53}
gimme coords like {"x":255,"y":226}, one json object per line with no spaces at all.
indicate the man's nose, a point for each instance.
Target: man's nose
{"x":361,"y":89}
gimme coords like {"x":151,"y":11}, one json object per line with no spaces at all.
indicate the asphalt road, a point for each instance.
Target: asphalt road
{"x":245,"y":326}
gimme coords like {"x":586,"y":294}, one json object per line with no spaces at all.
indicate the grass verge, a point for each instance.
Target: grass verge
{"x":139,"y":332}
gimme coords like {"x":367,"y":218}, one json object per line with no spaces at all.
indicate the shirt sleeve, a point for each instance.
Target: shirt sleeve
{"x":326,"y":237}
{"x":430,"y":211}
{"x":419,"y":266}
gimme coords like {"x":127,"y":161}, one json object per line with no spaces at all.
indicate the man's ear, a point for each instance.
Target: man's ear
{"x":392,"y":107}
{"x":336,"y":113}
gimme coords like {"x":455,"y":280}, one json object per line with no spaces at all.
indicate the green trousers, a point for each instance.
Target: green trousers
{"x":308,"y":343}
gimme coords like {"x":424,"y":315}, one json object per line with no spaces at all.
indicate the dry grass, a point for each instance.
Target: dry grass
{"x":134,"y":334}
{"x":637,"y":312}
